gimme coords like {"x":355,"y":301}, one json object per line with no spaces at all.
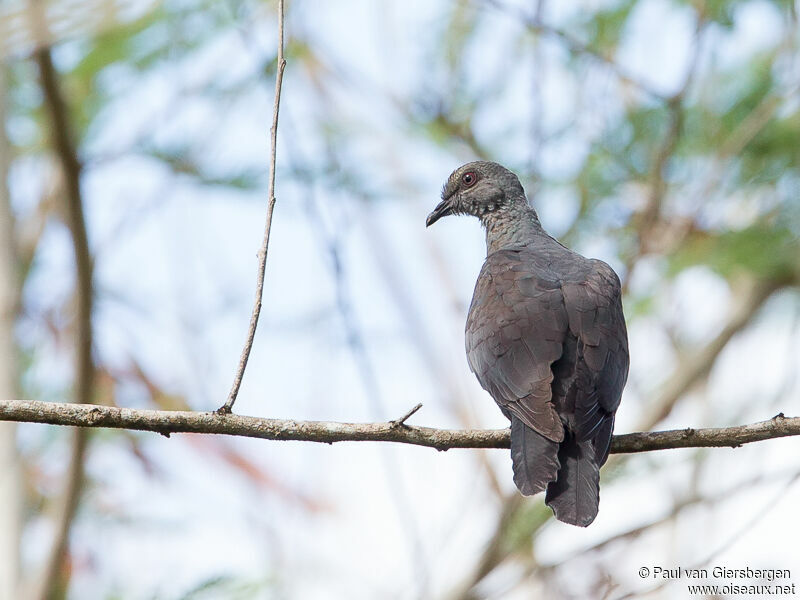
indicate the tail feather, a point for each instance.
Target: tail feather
{"x":575,"y":495}
{"x":602,"y":440}
{"x":535,"y":458}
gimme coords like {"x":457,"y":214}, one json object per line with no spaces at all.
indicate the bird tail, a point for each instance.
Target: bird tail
{"x":535,"y":458}
{"x":575,"y":495}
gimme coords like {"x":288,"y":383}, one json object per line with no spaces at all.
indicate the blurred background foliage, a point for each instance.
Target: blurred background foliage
{"x":659,"y":135}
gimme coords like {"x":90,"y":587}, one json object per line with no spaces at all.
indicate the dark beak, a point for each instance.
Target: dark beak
{"x":442,"y":209}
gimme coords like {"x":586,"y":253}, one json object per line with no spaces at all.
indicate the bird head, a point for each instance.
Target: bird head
{"x":481,"y":189}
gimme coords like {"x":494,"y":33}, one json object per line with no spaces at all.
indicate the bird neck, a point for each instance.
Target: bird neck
{"x":513,"y":227}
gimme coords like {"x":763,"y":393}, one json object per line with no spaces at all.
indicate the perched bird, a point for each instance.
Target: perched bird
{"x":546,"y":337}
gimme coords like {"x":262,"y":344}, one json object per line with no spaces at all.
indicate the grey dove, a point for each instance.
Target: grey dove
{"x":546,"y":337}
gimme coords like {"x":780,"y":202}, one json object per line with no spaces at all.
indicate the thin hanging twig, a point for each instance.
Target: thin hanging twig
{"x":262,"y":253}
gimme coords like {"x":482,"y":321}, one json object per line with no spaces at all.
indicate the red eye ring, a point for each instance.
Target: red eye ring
{"x":469,"y":178}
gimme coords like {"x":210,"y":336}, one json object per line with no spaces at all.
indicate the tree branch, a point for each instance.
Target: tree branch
{"x":697,"y":364}
{"x":167,"y":422}
{"x":262,"y":253}
{"x":576,"y":47}
{"x":11,"y":484}
{"x":649,"y":219}
{"x":64,"y":147}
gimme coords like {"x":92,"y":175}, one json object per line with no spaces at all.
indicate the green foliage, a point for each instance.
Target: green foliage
{"x":773,"y":152}
{"x":182,"y":162}
{"x":136,"y":44}
{"x":523,"y":526}
{"x":170,"y":32}
{"x":226,"y":586}
{"x":764,"y":250}
{"x":722,"y":12}
{"x":458,"y":34}
{"x":607,"y":25}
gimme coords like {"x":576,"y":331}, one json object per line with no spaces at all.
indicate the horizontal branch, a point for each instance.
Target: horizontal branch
{"x":167,"y":422}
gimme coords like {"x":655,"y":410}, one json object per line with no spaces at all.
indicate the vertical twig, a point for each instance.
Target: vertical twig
{"x":262,"y":253}
{"x":84,"y":368}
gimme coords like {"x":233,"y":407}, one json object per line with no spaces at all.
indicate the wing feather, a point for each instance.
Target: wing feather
{"x":594,"y":310}
{"x":528,"y":319}
{"x":515,"y":331}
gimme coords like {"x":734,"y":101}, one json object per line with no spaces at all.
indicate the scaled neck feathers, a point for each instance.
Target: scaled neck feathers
{"x":512,"y":227}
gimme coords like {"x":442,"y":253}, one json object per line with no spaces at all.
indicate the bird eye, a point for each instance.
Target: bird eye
{"x":469,"y":179}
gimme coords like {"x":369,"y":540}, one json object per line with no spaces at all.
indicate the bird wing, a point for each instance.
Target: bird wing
{"x":594,"y":310}
{"x":515,"y":330}
{"x":530,"y":310}
{"x":589,"y":378}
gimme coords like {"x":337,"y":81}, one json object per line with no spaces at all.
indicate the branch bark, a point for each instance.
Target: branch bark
{"x":262,"y":253}
{"x":167,"y":422}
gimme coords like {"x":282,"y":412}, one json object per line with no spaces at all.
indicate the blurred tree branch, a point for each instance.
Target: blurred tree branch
{"x":329,"y":241}
{"x":497,"y":547}
{"x":49,"y":581}
{"x":10,"y":292}
{"x":576,"y":47}
{"x":168,"y":422}
{"x":694,"y":366}
{"x":650,"y":217}
{"x":681,"y":505}
{"x":756,"y":516}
